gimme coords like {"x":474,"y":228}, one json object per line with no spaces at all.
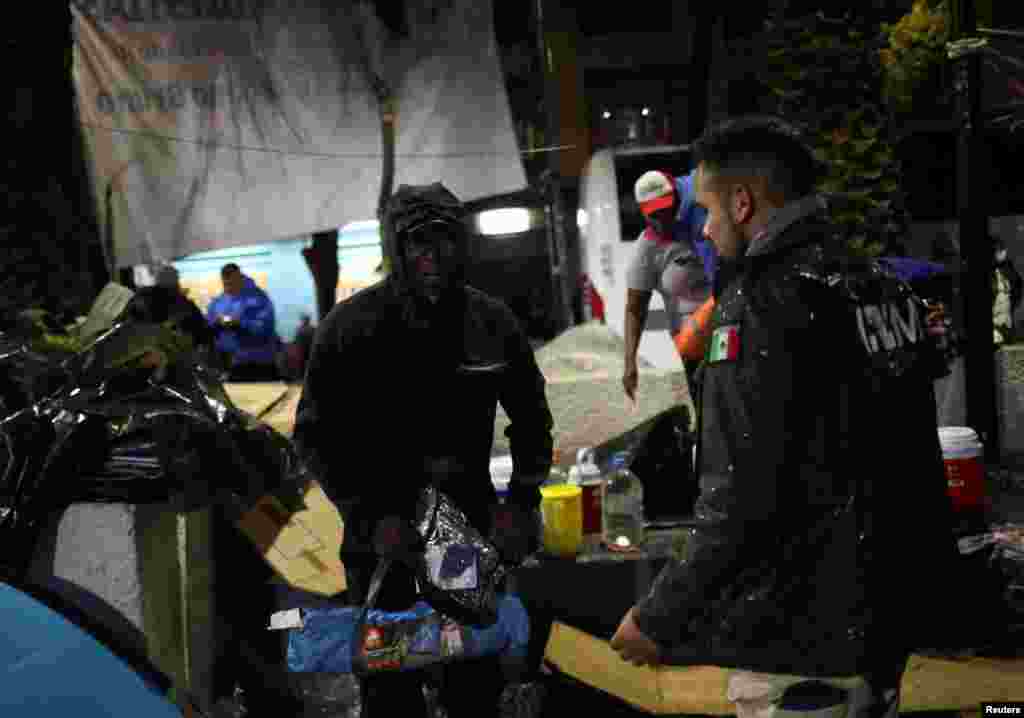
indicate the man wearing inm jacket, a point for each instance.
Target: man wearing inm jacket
{"x":823,"y":529}
{"x":402,"y":389}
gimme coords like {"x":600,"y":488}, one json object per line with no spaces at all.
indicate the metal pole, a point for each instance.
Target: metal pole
{"x":554,"y":210}
{"x":109,"y":252}
{"x":976,"y":251}
{"x":184,"y":600}
{"x":561,"y":269}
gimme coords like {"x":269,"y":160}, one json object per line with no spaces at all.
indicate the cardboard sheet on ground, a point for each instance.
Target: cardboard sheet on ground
{"x":281,"y":416}
{"x":301,"y":547}
{"x":255,"y":397}
{"x":929,"y":684}
{"x":273,"y":403}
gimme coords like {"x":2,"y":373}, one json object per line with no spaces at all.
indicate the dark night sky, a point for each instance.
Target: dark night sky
{"x":514,"y":18}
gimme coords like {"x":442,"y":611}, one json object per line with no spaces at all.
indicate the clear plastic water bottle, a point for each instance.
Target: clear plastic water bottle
{"x":557,"y":475}
{"x":622,"y":506}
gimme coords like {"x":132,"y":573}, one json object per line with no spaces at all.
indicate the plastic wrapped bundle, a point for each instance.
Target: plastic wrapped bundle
{"x":335,"y":640}
{"x":27,"y":375}
{"x":132,"y":418}
{"x":1004,"y":546}
{"x":460,"y":571}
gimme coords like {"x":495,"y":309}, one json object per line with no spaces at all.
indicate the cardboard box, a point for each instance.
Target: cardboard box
{"x":929,"y":684}
{"x":273,"y":403}
{"x":256,"y":397}
{"x":301,"y":547}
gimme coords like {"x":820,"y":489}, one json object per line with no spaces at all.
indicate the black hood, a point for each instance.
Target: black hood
{"x":413,"y":205}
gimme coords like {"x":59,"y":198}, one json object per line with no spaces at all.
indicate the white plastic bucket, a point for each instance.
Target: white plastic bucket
{"x":963,"y":455}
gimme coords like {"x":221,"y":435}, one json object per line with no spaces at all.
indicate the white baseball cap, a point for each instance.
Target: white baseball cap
{"x":654,"y":190}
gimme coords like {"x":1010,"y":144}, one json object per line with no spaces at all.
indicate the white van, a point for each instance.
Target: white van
{"x":610,"y":222}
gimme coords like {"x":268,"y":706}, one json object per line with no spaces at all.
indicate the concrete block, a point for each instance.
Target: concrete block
{"x":146,"y":573}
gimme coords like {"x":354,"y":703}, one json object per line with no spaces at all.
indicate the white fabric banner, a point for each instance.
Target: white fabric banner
{"x":218,"y":123}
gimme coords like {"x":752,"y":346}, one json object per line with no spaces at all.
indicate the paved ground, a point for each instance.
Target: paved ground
{"x":583,"y":368}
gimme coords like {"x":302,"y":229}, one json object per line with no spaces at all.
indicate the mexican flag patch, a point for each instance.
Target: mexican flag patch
{"x":725,"y":344}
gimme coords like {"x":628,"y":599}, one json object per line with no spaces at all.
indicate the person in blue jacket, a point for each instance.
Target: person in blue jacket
{"x":243,"y":320}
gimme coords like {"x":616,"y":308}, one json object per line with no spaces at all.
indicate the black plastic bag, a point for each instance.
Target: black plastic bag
{"x":135,"y":419}
{"x":661,"y":455}
{"x":27,"y":375}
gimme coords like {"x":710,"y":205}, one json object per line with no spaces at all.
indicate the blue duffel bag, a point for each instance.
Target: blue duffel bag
{"x":363,"y":640}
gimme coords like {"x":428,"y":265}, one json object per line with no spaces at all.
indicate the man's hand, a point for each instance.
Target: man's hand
{"x":440,"y":469}
{"x":630,"y":380}
{"x":632,"y":645}
{"x":637,"y":303}
{"x":393,"y":538}
{"x":936,"y":319}
{"x":516,"y":531}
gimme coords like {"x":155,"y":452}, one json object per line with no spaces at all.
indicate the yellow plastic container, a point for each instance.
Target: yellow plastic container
{"x":561,"y":507}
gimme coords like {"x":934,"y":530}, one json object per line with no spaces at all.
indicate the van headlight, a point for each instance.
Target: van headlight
{"x":507,"y":220}
{"x":581,"y":218}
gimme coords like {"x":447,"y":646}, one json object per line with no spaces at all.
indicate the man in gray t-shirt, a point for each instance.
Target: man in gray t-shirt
{"x":664,"y":261}
{"x":674,"y":271}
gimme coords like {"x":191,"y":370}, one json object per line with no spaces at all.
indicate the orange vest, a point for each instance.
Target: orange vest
{"x":692,"y":339}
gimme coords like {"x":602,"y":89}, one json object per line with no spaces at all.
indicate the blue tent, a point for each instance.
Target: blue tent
{"x":53,"y":667}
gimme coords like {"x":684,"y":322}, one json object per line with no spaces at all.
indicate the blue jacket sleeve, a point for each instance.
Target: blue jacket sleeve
{"x":709,"y":257}
{"x":258,"y":316}
{"x":214,"y":311}
{"x":691,"y":220}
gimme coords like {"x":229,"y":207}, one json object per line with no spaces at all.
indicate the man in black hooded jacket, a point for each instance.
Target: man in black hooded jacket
{"x":823,"y":531}
{"x":402,"y":389}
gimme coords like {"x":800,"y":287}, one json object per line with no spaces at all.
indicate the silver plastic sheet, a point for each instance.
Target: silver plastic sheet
{"x":459,"y":572}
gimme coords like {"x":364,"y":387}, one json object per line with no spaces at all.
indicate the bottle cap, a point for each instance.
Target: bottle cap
{"x":560,"y":491}
{"x":574,"y":474}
